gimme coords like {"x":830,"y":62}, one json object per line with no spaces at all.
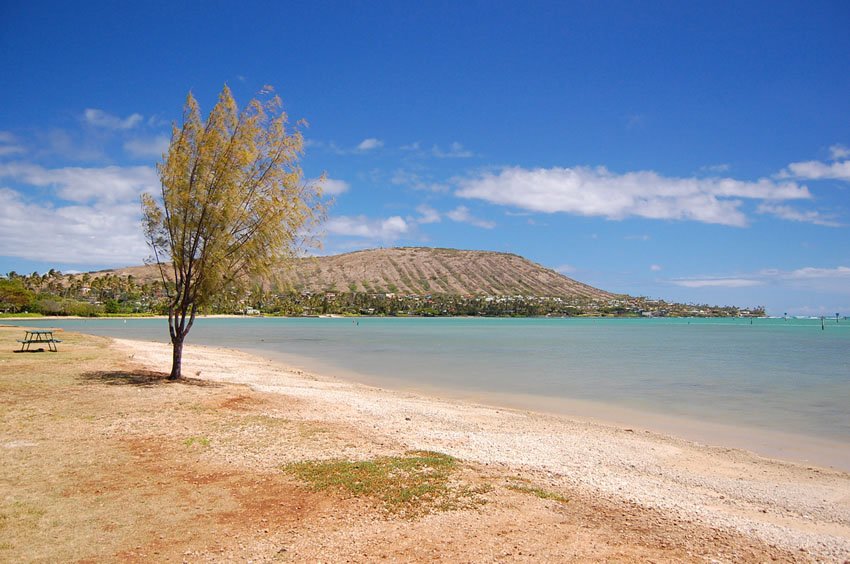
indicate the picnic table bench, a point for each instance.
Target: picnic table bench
{"x":39,"y":337}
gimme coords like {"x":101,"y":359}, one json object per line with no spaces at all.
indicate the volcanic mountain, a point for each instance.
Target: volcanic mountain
{"x":417,"y":271}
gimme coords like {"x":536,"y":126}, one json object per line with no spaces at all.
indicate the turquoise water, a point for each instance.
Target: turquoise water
{"x":773,"y":374}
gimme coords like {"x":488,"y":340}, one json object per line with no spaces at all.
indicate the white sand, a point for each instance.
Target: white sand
{"x":784,"y":504}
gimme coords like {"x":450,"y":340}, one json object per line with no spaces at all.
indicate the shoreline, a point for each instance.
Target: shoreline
{"x":796,"y":448}
{"x":782,"y":503}
{"x":801,"y":448}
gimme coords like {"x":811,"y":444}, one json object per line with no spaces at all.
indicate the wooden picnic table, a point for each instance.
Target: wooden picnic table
{"x":38,"y":337}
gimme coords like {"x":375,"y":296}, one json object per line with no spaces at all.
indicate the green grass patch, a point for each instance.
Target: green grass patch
{"x":409,"y":485}
{"x":538,"y":492}
{"x":202,"y":441}
{"x":20,"y":514}
{"x":13,"y":315}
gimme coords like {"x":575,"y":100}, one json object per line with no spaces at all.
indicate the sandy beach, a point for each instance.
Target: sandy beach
{"x":800,"y":509}
{"x":106,"y":460}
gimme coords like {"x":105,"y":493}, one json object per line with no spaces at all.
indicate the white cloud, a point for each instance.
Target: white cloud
{"x":105,"y":233}
{"x":565,"y":269}
{"x":370,"y":144}
{"x":417,"y":182}
{"x":835,"y":280}
{"x":809,"y":273}
{"x":99,"y":118}
{"x":715,"y":168}
{"x":81,"y":185}
{"x":93,"y":216}
{"x":839,"y":152}
{"x":148,"y":147}
{"x":461,"y":214}
{"x":455,"y":151}
{"x":10,"y":150}
{"x":333,"y":186}
{"x":792,"y":214}
{"x":808,"y":278}
{"x":427,"y":214}
{"x":386,"y":230}
{"x":62,"y":143}
{"x":9,"y":144}
{"x":816,"y":170}
{"x":599,"y":192}
{"x":655,"y":267}
{"x":717,"y":282}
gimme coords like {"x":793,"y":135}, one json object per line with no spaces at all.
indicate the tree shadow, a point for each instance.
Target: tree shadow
{"x":142,"y":378}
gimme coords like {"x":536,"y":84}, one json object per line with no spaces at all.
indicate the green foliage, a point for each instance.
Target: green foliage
{"x":50,"y":305}
{"x":14,"y":296}
{"x":233,"y":203}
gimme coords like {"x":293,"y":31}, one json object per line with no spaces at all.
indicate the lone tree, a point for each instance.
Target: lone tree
{"x":233,"y":204}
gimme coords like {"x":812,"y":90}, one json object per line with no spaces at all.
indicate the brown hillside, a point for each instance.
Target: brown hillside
{"x":420,"y":271}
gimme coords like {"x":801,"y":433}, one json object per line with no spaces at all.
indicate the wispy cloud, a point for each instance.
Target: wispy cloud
{"x":417,"y":182}
{"x":427,"y":214}
{"x":99,"y":118}
{"x":717,"y":282}
{"x":461,"y":214}
{"x":380,"y":230}
{"x":835,"y":279}
{"x":565,"y":269}
{"x":455,"y":151}
{"x":655,"y":268}
{"x":9,"y":144}
{"x":809,"y":273}
{"x":82,"y":185}
{"x":599,"y":192}
{"x":839,"y":152}
{"x":63,"y":144}
{"x":791,"y":214}
{"x":333,"y":186}
{"x":635,"y":120}
{"x":715,"y":168}
{"x":370,"y":144}
{"x":147,"y":147}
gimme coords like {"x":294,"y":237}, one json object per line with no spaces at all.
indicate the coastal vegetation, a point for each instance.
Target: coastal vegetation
{"x":233,"y":203}
{"x":106,"y":294}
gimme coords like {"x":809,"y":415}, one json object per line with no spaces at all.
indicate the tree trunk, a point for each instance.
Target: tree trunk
{"x":177,"y":357}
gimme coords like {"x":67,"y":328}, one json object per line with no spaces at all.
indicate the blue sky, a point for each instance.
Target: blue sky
{"x":696,"y":152}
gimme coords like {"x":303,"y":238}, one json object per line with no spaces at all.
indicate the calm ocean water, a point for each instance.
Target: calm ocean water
{"x":773,"y":374}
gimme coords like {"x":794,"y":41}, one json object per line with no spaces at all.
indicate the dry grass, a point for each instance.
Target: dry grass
{"x":102,"y":459}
